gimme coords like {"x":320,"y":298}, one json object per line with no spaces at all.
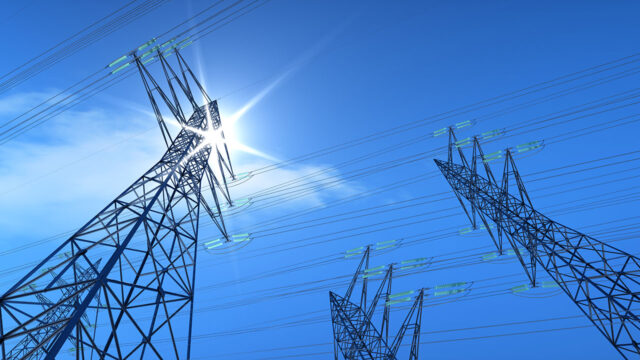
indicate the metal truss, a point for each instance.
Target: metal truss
{"x":53,"y":317}
{"x":601,"y":280}
{"x":123,"y":285}
{"x":355,"y":335}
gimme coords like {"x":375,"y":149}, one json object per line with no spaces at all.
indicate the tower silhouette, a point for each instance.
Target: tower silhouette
{"x":122,"y":286}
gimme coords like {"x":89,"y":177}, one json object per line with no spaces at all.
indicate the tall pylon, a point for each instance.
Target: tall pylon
{"x":354,"y":334}
{"x":603,"y":281}
{"x":122,"y":286}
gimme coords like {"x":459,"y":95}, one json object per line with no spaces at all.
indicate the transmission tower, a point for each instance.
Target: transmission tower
{"x":354,"y":334}
{"x":123,"y":285}
{"x":27,"y":344}
{"x":600,"y":279}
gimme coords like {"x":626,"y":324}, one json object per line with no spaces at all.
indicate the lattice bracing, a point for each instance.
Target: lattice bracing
{"x":603,"y":281}
{"x":130,"y":271}
{"x":354,"y":334}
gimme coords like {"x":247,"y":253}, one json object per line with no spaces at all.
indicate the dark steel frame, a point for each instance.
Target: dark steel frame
{"x":354,"y":334}
{"x":132,"y":266}
{"x":601,"y":280}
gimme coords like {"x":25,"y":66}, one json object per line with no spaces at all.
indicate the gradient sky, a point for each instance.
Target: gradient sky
{"x":324,"y":73}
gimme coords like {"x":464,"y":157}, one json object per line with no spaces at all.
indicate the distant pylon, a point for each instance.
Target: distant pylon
{"x":28,"y":343}
{"x":131,"y":268}
{"x":602,"y":280}
{"x":354,"y":334}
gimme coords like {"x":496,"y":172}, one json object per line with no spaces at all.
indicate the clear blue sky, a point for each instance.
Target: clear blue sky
{"x":323,"y":73}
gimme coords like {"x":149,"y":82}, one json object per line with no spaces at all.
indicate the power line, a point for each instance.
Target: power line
{"x":33,"y":121}
{"x":68,"y":46}
{"x":573,"y":165}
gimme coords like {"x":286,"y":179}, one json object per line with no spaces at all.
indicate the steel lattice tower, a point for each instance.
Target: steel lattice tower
{"x":600,"y":279}
{"x":123,"y":285}
{"x":354,"y":334}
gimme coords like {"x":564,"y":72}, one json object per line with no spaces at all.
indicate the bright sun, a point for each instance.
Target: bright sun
{"x":226,"y":134}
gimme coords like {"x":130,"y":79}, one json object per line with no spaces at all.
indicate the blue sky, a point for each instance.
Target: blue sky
{"x":324,"y":73}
